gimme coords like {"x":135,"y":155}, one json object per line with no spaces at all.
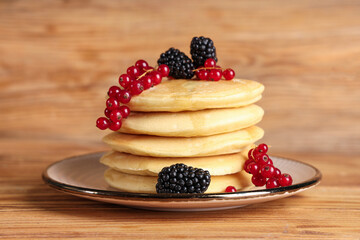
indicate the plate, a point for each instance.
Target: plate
{"x":82,"y":176}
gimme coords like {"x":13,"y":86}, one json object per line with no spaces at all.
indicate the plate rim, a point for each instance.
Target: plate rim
{"x":250,"y":194}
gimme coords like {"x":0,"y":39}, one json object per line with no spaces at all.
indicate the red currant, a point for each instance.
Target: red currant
{"x":263,"y":159}
{"x":203,"y":74}
{"x":136,"y":88}
{"x":115,"y":125}
{"x":209,"y":63}
{"x":113,"y":90}
{"x":277,"y":173}
{"x":107,"y":112}
{"x":230,"y":189}
{"x":156,"y":77}
{"x":272,"y":183}
{"x":146,"y":82}
{"x":102,"y":123}
{"x":229,"y":74}
{"x":256,"y":154}
{"x":285,"y":180}
{"x":124,"y":80}
{"x":267,"y":171}
{"x":164,"y":70}
{"x":253,"y":168}
{"x":258,"y":180}
{"x":125,"y":111}
{"x":124,"y":96}
{"x":115,"y":115}
{"x":262,"y":148}
{"x":112,"y":103}
{"x":133,"y":72}
{"x":247,"y":162}
{"x":141,"y":64}
{"x":215,"y":74}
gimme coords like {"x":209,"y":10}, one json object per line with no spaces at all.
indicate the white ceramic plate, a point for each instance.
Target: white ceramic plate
{"x":83,"y":176}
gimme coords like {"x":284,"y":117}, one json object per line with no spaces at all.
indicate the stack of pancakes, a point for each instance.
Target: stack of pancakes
{"x":203,"y":124}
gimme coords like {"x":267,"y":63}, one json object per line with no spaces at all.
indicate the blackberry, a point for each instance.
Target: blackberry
{"x":202,"y":48}
{"x":179,"y":178}
{"x":180,"y":65}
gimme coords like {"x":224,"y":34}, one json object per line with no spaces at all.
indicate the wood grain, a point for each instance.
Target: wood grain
{"x":58,"y":58}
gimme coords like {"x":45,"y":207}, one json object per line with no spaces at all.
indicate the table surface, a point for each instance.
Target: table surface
{"x":58,"y":58}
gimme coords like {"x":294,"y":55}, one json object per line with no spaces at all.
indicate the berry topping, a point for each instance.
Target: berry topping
{"x":179,"y":178}
{"x":253,"y":168}
{"x":147,"y":82}
{"x":102,"y":123}
{"x":125,"y":111}
{"x":115,"y":125}
{"x":164,"y":70}
{"x":267,"y":171}
{"x":258,"y":180}
{"x":285,"y":180}
{"x":272,"y":183}
{"x":229,"y":74}
{"x":115,"y":115}
{"x":277,"y":173}
{"x":138,"y":78}
{"x":230,"y":189}
{"x":209,"y":63}
{"x":262,"y":148}
{"x":113,"y":91}
{"x":107,"y":112}
{"x":262,"y":168}
{"x":262,"y":159}
{"x":202,"y":74}
{"x":124,"y":96}
{"x":215,"y":75}
{"x":124,"y":80}
{"x":141,"y":64}
{"x":201,"y":49}
{"x":136,"y":88}
{"x":133,"y":72}
{"x":112,"y":103}
{"x":179,"y":64}
{"x":155,"y":77}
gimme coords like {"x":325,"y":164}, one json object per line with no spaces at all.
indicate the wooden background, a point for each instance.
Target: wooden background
{"x":58,"y":58}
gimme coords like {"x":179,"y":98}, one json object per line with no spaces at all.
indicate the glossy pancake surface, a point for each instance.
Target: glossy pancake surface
{"x":146,"y":145}
{"x":151,"y":166}
{"x":147,"y":184}
{"x":192,"y":123}
{"x":191,"y":95}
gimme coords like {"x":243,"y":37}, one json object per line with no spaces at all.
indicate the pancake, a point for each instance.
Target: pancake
{"x":146,"y":184}
{"x":146,"y":145}
{"x":191,"y":95}
{"x":151,"y":166}
{"x":193,"y":123}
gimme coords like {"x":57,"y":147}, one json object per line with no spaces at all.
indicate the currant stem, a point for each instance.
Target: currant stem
{"x":146,"y":72}
{"x":206,"y":68}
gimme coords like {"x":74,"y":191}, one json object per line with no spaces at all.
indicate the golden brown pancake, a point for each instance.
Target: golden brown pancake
{"x":146,"y":145}
{"x":191,"y":95}
{"x":147,"y":184}
{"x":192,"y":123}
{"x":151,"y":166}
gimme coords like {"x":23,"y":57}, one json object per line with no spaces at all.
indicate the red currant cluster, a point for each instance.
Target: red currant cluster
{"x":262,"y":168}
{"x":211,"y":72}
{"x":137,"y":78}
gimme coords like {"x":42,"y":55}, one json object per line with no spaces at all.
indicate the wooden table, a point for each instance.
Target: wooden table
{"x":58,"y":58}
